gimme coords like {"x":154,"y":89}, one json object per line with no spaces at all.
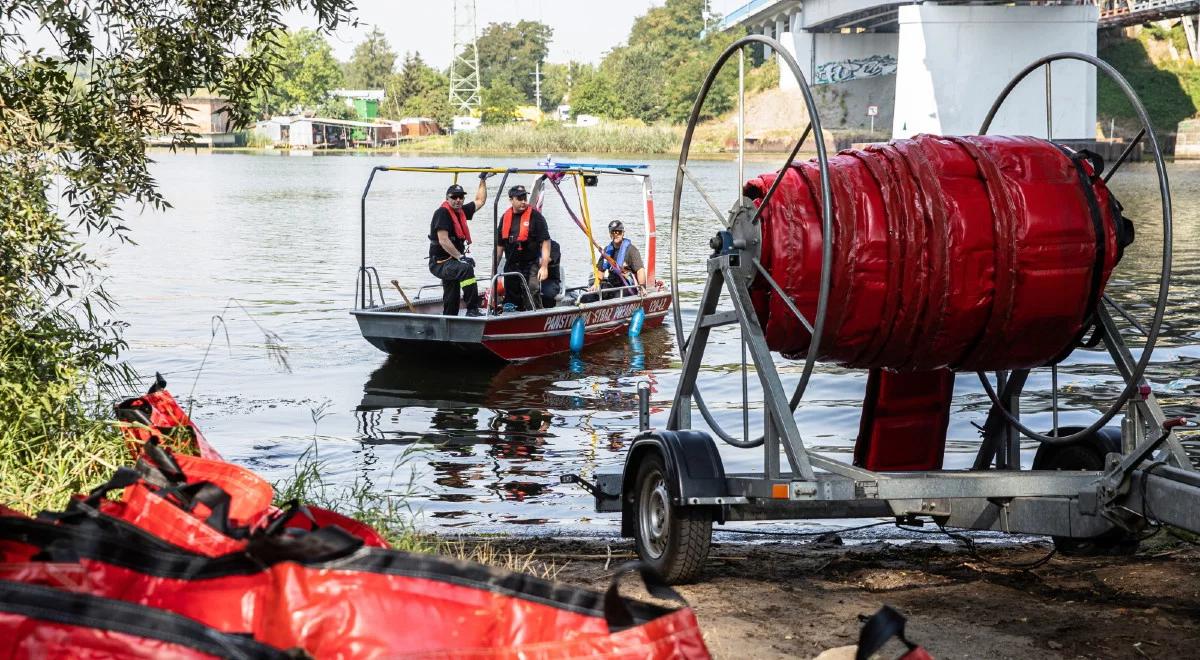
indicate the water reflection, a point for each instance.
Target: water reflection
{"x":491,"y":431}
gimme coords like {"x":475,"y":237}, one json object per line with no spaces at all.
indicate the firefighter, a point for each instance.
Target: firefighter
{"x":449,"y":237}
{"x":524,"y":241}
{"x":630,"y":269}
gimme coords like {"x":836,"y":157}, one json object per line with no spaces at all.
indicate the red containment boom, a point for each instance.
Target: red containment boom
{"x":969,"y":253}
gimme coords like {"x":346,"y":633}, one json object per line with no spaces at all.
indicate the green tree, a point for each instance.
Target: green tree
{"x":415,"y":78}
{"x":509,"y":54}
{"x":679,"y":94}
{"x":73,"y":127}
{"x":419,"y":90}
{"x":335,"y":108}
{"x":637,"y":76}
{"x":656,"y":74}
{"x":432,"y":103}
{"x":594,"y":95}
{"x":306,"y":72}
{"x":558,"y":81}
{"x":371,"y":64}
{"x":500,"y":102}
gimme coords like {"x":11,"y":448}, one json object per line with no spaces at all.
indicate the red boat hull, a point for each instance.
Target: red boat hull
{"x":509,"y":337}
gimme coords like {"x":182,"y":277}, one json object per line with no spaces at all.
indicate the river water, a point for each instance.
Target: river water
{"x":478,"y":447}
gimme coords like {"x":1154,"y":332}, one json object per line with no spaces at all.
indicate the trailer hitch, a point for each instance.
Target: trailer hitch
{"x":1115,"y":483}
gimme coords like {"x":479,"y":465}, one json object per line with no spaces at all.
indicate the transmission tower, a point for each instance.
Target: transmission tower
{"x":464,"y":68}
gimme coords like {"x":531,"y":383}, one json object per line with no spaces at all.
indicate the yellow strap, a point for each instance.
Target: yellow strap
{"x":467,"y":282}
{"x":587,"y":224}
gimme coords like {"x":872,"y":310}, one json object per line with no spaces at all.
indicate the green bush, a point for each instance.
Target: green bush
{"x":73,"y":126}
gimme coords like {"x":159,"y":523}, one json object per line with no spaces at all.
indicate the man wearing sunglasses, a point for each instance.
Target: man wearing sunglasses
{"x":449,"y":237}
{"x":630,"y":269}
{"x":524,"y":240}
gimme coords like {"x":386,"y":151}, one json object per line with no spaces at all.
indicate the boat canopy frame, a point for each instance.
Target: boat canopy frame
{"x":368,"y":282}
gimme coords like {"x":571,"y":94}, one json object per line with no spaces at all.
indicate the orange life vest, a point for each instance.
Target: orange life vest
{"x":459,"y":218}
{"x":523,"y":232}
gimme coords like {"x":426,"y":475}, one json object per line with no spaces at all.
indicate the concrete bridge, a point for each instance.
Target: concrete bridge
{"x":936,"y":67}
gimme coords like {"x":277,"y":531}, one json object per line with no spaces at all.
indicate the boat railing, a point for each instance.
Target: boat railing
{"x":604,"y":293}
{"x":422,"y":290}
{"x":524,"y":287}
{"x":365,"y":295}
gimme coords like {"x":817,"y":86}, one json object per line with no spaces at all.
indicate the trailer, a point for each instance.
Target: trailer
{"x":1092,"y":488}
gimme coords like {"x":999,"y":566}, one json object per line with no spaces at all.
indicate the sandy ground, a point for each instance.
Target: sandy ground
{"x":799,"y":600}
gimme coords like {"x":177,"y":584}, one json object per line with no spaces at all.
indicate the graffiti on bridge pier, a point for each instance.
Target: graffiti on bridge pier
{"x":869,"y":67}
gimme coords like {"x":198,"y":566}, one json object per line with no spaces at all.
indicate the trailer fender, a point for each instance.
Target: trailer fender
{"x":694,"y":470}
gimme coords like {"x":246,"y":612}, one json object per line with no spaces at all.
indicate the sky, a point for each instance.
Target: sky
{"x":583,"y":30}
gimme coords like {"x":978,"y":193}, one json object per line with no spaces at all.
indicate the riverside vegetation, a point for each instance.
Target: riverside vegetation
{"x":72,"y":161}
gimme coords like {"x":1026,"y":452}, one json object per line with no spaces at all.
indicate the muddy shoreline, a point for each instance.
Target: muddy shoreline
{"x":787,"y":599}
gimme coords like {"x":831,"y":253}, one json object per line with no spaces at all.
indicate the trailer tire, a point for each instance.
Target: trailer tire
{"x":1086,"y":454}
{"x":672,"y":540}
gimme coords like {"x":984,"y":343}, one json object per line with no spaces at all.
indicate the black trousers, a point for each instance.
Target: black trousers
{"x":458,"y":283}
{"x":521,"y":293}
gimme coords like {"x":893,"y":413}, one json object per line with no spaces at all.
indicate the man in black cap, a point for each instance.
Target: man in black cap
{"x":449,"y":237}
{"x":629,"y":270}
{"x":524,"y":240}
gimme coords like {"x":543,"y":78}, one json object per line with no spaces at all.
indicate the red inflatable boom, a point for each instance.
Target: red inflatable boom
{"x":193,"y":561}
{"x":972,"y":253}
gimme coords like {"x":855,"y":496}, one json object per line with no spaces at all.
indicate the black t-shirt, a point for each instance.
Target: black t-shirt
{"x":442,"y":220}
{"x":530,"y":250}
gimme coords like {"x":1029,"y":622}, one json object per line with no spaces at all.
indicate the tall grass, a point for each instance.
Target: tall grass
{"x":550,"y":137}
{"x":52,"y":446}
{"x":388,"y":511}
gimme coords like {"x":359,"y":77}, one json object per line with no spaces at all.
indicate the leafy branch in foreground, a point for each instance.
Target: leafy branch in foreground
{"x":73,"y":122}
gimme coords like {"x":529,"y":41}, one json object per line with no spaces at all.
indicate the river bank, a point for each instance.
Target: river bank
{"x":789,"y":600}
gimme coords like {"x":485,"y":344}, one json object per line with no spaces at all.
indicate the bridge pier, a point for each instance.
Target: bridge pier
{"x":953,"y":61}
{"x":929,"y":67}
{"x":1190,"y":27}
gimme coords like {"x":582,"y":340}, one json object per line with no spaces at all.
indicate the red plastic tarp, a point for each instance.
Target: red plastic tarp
{"x":157,"y":415}
{"x":42,"y":622}
{"x":332,"y":597}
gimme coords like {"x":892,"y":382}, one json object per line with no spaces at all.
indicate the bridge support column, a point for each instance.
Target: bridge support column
{"x":797,"y":42}
{"x":1190,"y":24}
{"x":954,"y":59}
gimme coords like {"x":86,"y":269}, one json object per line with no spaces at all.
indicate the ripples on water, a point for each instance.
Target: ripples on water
{"x":485,"y":446}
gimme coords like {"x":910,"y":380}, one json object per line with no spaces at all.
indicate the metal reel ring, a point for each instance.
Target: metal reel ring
{"x":1152,"y":332}
{"x":818,"y":324}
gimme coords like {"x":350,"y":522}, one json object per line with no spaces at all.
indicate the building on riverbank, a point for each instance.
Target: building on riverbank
{"x":208,"y":118}
{"x":323,"y":133}
{"x":364,"y":102}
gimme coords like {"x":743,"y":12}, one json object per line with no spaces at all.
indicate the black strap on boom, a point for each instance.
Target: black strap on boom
{"x":1089,"y":193}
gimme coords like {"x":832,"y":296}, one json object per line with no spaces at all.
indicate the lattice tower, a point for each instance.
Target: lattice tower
{"x":464,"y":68}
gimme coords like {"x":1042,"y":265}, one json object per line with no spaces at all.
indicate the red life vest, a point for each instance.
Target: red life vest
{"x":523,"y":232}
{"x":459,"y":218}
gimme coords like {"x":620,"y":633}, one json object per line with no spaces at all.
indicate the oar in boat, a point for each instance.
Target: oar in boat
{"x":407,"y":302}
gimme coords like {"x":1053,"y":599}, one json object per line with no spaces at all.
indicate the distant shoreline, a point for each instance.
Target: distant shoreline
{"x":394,"y":151}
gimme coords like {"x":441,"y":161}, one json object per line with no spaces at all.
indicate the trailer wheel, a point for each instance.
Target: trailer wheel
{"x":673,"y":540}
{"x":1086,"y":454}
